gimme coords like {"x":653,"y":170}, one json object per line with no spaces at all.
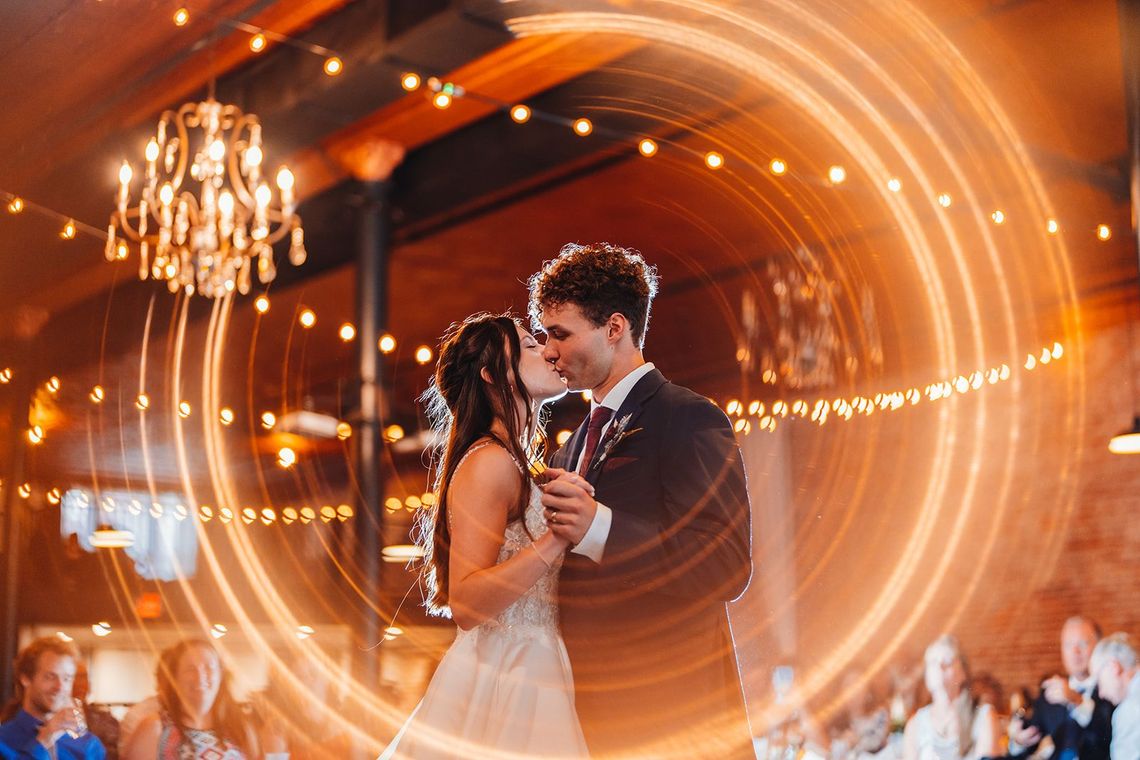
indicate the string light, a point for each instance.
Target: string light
{"x":583,"y":127}
{"x":347,"y":332}
{"x":307,"y":318}
{"x":142,"y":402}
{"x":52,"y":385}
{"x":261,"y":304}
{"x":35,"y":435}
{"x":836,"y":175}
{"x":268,"y":420}
{"x":333,"y":66}
{"x":53,"y":496}
{"x":257,"y":42}
{"x":778,"y":166}
{"x":410,"y":81}
{"x":520,"y":114}
{"x":218,"y":631}
{"x":16,"y":205}
{"x":6,"y":375}
{"x":393,"y":433}
{"x":998,"y":216}
{"x":68,"y":232}
{"x":286,"y":457}
{"x":184,"y":409}
{"x":647,"y":147}
{"x":944,"y":200}
{"x":387,"y":344}
{"x":25,"y":490}
{"x":181,"y":17}
{"x":1103,"y":232}
{"x":423,"y":355}
{"x":441,"y":100}
{"x":894,"y":184}
{"x":714,"y":160}
{"x":847,"y":408}
{"x":226,"y":415}
{"x":343,"y":431}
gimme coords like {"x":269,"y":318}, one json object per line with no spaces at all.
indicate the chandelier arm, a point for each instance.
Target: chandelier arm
{"x":183,"y":148}
{"x":237,"y":179}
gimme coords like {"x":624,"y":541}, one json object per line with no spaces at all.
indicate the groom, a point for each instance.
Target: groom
{"x":662,"y":543}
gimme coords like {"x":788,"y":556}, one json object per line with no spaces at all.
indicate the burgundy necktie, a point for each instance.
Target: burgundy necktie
{"x":598,"y":419}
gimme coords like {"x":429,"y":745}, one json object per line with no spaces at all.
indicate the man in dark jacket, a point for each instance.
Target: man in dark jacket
{"x":1069,"y":710}
{"x":664,"y":540}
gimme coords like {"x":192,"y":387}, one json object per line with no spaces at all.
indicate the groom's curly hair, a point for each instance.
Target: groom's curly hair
{"x":601,"y":279}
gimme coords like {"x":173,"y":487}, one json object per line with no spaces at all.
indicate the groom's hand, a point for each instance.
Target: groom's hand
{"x":569,"y":502}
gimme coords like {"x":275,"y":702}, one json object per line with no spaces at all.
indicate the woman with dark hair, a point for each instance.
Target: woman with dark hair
{"x":199,"y":718}
{"x":504,"y":688}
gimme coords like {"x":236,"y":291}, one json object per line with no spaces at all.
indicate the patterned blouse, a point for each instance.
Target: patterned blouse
{"x":178,"y":743}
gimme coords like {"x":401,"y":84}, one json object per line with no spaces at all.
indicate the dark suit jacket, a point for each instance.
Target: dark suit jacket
{"x":1090,"y":743}
{"x":647,"y":629}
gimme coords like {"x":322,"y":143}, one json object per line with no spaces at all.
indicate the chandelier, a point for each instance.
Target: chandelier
{"x":206,"y":216}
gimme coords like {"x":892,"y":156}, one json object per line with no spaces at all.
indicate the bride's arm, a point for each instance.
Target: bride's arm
{"x":482,"y":493}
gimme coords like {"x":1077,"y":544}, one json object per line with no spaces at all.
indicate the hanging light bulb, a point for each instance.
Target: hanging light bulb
{"x":520,"y":114}
{"x":258,"y":42}
{"x":410,"y":81}
{"x":333,"y":66}
{"x":583,"y":127}
{"x":647,"y":147}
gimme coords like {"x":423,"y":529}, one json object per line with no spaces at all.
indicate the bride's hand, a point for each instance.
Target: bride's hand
{"x":556,"y":473}
{"x":569,"y":505}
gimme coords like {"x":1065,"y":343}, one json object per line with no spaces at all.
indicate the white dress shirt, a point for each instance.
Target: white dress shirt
{"x":593,"y":544}
{"x":1083,"y":712}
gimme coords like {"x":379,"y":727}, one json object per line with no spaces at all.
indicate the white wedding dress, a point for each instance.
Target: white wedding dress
{"x":504,"y":689}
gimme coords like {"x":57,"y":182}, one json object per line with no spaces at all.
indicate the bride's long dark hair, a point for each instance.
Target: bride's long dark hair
{"x":461,"y":406}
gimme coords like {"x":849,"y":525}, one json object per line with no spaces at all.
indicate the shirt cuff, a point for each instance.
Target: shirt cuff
{"x":593,"y":544}
{"x":1083,"y":712}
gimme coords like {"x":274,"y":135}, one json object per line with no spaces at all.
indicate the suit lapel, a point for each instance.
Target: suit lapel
{"x":568,"y":454}
{"x":642,"y":391}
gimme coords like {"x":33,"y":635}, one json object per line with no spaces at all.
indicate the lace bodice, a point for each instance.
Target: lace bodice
{"x":538,"y":605}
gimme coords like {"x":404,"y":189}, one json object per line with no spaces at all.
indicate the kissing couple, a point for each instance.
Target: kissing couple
{"x":590,"y":596}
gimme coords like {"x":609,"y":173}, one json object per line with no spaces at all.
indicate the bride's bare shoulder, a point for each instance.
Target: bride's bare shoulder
{"x":487,"y":469}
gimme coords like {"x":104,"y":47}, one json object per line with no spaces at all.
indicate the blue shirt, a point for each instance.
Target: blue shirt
{"x":18,"y":741}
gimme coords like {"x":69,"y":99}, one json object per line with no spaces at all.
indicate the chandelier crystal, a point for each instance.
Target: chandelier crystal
{"x":207,"y":216}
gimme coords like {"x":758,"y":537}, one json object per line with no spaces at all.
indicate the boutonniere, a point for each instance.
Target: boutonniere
{"x":616,"y":435}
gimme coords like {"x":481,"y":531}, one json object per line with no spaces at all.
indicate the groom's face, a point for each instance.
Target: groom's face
{"x":576,"y":347}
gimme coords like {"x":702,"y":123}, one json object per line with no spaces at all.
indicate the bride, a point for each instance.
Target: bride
{"x":504,"y":688}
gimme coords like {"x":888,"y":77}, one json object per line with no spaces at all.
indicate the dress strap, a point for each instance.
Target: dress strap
{"x":483,"y":444}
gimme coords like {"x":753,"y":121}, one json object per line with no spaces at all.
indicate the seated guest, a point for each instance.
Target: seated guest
{"x":1114,"y":664}
{"x":864,"y":726}
{"x":100,"y":721}
{"x":134,"y":717}
{"x":299,"y":714}
{"x":41,"y":721}
{"x":200,"y":719}
{"x":1069,"y":710}
{"x":951,"y":726}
